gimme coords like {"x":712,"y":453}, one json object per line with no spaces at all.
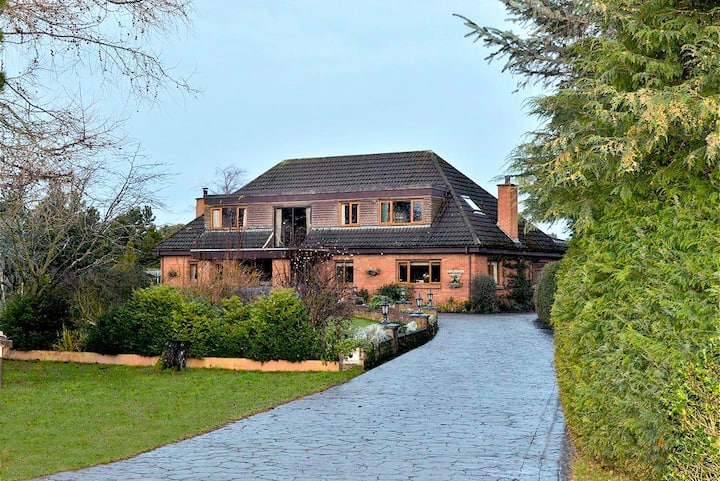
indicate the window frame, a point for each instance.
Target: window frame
{"x":407,"y":265}
{"x":391,"y":211}
{"x":236,"y":224}
{"x":193,"y":272}
{"x":341,"y":271}
{"x":493,"y":268}
{"x":349,"y":205}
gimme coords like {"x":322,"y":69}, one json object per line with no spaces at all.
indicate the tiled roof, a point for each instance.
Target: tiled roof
{"x":184,"y":239}
{"x":349,"y":173}
{"x":458,"y":224}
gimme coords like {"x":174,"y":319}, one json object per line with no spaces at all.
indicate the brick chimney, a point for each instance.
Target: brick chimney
{"x":200,"y":203}
{"x":508,"y":209}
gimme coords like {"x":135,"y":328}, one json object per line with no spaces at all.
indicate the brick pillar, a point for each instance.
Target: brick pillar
{"x":508,"y":208}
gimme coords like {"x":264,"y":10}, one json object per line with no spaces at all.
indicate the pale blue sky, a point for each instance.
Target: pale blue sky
{"x":286,"y":79}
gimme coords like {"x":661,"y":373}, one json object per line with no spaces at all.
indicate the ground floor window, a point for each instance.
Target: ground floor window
{"x":193,"y":272}
{"x":345,"y":272}
{"x":418,"y":271}
{"x":493,"y":271}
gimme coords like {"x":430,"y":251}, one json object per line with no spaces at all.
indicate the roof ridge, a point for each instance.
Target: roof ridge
{"x":436,"y":161}
{"x":370,"y":154}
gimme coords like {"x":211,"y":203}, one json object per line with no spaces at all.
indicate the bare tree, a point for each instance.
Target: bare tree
{"x":66,"y":171}
{"x":46,"y":133}
{"x":57,"y":230}
{"x":227,"y":180}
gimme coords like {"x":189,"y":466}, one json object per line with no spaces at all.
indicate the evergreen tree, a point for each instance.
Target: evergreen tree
{"x":628,"y":152}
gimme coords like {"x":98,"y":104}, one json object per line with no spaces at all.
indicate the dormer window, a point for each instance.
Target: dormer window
{"x":228,"y":217}
{"x":401,"y":211}
{"x":349,"y":213}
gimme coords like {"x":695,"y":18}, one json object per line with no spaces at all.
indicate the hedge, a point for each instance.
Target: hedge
{"x":275,"y":326}
{"x":545,"y":292}
{"x":637,"y":329}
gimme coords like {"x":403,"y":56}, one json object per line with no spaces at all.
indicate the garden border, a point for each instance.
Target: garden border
{"x":235,"y":364}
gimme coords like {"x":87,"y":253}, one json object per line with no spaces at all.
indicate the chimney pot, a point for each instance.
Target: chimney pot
{"x":205,"y":191}
{"x":508,"y":180}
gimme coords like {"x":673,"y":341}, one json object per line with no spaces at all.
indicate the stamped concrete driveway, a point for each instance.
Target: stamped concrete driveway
{"x":478,"y":402}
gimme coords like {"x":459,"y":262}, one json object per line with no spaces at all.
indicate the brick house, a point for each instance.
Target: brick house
{"x":409,"y":218}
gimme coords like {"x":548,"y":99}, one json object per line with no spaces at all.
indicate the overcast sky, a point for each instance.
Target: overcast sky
{"x":286,"y":79}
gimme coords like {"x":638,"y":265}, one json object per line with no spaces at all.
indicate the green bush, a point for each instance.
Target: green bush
{"x":636,"y":327}
{"x":279,"y":328}
{"x":453,"y":306}
{"x":275,"y":326}
{"x":35,"y":321}
{"x":391,"y":291}
{"x":519,"y":288}
{"x":141,"y":326}
{"x":483,"y":295}
{"x":377,"y":301}
{"x":545,"y":292}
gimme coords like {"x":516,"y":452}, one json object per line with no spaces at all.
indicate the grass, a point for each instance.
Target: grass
{"x":585,"y":469}
{"x":358,"y":322}
{"x":59,"y":416}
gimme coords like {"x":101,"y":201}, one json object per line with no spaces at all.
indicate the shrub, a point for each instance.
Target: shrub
{"x":100,"y":291}
{"x":391,"y":291}
{"x":545,"y":292}
{"x":142,"y":326}
{"x":35,"y":321}
{"x":453,"y":306}
{"x":279,"y":328}
{"x":377,"y":301}
{"x":519,"y":287}
{"x":483,"y":295}
{"x":373,"y":334}
{"x":636,"y":331}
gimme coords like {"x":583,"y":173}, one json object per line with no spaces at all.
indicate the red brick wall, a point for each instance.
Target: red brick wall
{"x":386,"y":265}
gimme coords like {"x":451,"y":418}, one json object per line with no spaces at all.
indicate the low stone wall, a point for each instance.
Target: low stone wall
{"x":235,"y":364}
{"x":392,"y":348}
{"x":396,"y":313}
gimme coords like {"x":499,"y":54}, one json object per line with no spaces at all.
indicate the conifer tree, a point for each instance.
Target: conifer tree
{"x":628,"y":152}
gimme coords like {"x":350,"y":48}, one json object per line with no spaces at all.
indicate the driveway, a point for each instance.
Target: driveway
{"x":478,"y":402}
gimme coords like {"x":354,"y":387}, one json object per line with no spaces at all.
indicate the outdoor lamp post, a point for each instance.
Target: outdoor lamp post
{"x":385,"y":309}
{"x":403,"y":291}
{"x":355,"y":291}
{"x":430,"y":296}
{"x":418,"y":301}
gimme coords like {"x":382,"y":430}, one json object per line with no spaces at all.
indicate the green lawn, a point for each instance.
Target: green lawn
{"x":59,"y":416}
{"x":586,"y":470}
{"x":357,"y":322}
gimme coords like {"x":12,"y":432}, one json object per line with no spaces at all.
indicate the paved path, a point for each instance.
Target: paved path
{"x":478,"y":402}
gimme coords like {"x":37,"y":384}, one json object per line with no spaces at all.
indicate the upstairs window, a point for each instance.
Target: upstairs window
{"x":349,"y":213}
{"x":401,"y":211}
{"x":228,"y":217}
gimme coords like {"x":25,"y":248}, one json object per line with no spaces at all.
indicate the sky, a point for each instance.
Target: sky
{"x":285,"y":79}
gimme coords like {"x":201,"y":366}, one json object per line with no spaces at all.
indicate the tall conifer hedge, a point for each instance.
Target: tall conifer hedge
{"x":629,"y":154}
